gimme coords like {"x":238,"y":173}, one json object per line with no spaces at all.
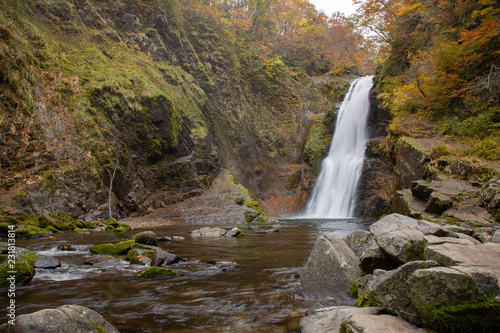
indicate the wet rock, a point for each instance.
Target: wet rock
{"x":158,"y":273}
{"x":329,"y":271}
{"x":328,"y":319}
{"x":388,"y":289}
{"x":208,"y":232}
{"x":146,"y":238}
{"x":121,"y":248}
{"x":438,"y":203}
{"x":23,"y":265}
{"x":66,"y":318}
{"x":234,"y":232}
{"x":266,"y":232}
{"x":164,"y":239}
{"x":46,"y":262}
{"x":362,"y":323}
{"x":359,"y":241}
{"x":177,"y":238}
{"x":402,"y":237}
{"x":163,"y":258}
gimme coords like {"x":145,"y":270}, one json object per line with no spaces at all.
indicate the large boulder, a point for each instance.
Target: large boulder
{"x":66,"y":318}
{"x":163,"y":258}
{"x":483,"y":256}
{"x":24,"y":265}
{"x":442,"y":284}
{"x":46,"y":262}
{"x":146,"y":238}
{"x":361,"y":323}
{"x":389,"y":289}
{"x":359,"y":241}
{"x":208,"y":232}
{"x":328,"y":319}
{"x":330,"y":270}
{"x":402,"y":237}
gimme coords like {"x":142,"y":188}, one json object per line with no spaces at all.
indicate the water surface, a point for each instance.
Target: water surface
{"x":252,"y":295}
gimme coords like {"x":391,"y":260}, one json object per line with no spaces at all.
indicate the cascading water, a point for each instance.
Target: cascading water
{"x":334,"y":193}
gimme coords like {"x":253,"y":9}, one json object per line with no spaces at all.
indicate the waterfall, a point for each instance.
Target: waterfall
{"x":334,"y":193}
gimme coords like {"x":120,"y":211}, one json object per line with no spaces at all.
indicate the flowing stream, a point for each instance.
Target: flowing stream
{"x":249,"y":290}
{"x":334,"y":193}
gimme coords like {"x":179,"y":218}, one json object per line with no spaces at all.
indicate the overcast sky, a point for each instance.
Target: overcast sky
{"x":330,"y":6}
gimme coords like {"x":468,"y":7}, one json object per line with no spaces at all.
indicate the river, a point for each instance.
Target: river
{"x":250,"y":291}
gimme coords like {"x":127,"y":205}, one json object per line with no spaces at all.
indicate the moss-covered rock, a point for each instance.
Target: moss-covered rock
{"x":477,"y":315}
{"x":46,"y":221}
{"x":158,"y":273}
{"x":23,"y":266}
{"x":119,"y":229}
{"x":121,"y":248}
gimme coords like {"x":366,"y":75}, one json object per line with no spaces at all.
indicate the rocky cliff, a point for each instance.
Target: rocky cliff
{"x":140,"y":105}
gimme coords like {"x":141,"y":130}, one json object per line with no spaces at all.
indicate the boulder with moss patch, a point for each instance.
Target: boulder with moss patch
{"x":121,"y":248}
{"x":23,"y":266}
{"x":66,"y":318}
{"x":158,"y":273}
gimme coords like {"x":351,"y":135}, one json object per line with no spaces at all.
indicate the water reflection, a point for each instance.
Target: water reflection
{"x":254,"y":295}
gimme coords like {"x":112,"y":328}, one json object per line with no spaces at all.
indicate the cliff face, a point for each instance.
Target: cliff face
{"x":149,"y":98}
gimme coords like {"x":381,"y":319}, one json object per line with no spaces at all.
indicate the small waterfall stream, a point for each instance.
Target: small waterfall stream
{"x":334,"y":193}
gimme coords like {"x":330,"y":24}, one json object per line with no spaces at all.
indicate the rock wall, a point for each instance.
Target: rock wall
{"x":160,"y":95}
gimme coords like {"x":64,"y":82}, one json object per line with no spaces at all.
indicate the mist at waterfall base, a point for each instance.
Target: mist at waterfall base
{"x":334,"y":193}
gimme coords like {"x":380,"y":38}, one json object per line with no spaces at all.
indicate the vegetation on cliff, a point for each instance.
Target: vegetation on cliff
{"x":442,"y":67}
{"x":91,"y":90}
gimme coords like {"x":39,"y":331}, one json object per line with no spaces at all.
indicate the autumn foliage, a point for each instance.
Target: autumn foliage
{"x":442,"y":63}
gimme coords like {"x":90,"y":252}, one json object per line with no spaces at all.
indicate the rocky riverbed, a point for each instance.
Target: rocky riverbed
{"x":413,"y":274}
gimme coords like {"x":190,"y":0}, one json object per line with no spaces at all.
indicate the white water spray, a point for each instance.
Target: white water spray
{"x":334,"y":193}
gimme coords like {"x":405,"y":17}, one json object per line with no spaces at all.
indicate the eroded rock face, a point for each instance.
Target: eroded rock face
{"x":66,"y":318}
{"x":329,"y":272}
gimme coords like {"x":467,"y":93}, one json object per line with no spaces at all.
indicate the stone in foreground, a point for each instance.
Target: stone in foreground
{"x":66,"y":318}
{"x":359,"y":323}
{"x":329,"y":272}
{"x":328,"y":319}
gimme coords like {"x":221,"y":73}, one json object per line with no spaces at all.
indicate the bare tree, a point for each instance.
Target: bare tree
{"x":111,"y":179}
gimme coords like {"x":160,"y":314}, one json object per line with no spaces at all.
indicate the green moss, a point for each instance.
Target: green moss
{"x":157,"y":273}
{"x":353,"y":289}
{"x":141,"y":246}
{"x":363,"y":302}
{"x":123,"y":225}
{"x":344,"y":328}
{"x":31,"y":219}
{"x":119,"y":229}
{"x":51,"y":229}
{"x":478,"y":315}
{"x":255,"y":205}
{"x":134,"y":257}
{"x":25,"y":273}
{"x":79,"y":230}
{"x":3,"y":257}
{"x":45,"y":222}
{"x":107,"y":248}
{"x":415,"y":252}
{"x":109,"y":227}
{"x":124,"y":247}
